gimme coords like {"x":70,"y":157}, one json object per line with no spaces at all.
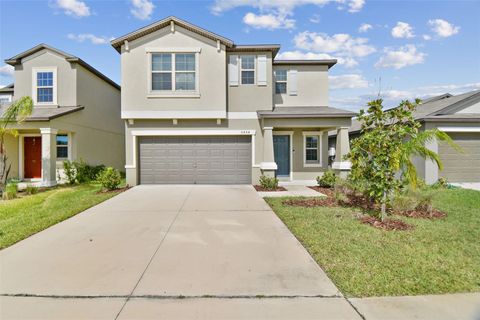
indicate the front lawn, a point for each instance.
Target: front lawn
{"x":20,"y":218}
{"x":437,"y":256}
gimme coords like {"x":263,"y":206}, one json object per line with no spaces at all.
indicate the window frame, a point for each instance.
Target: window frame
{"x":173,"y":92}
{"x":281,"y":81}
{"x":254,"y":69}
{"x":319,"y":135}
{"x":35,"y":87}
{"x":67,"y":146}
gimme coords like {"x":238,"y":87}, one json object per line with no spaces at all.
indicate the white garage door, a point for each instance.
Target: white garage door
{"x":195,"y":160}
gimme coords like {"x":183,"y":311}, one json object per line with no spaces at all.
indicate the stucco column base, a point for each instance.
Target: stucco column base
{"x":268,"y":168}
{"x":49,"y":157}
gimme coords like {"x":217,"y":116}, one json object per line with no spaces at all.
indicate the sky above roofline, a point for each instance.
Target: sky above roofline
{"x":395,"y":49}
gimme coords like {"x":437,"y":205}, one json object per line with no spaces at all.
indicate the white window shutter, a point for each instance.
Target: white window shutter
{"x":292,"y":82}
{"x":233,"y":70}
{"x":262,"y":70}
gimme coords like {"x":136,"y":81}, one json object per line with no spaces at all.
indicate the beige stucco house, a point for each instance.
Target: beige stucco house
{"x":199,"y":108}
{"x":76,"y":115}
{"x":459,"y":117}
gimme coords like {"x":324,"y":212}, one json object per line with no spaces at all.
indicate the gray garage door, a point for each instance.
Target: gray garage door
{"x":461,"y":167}
{"x":195,"y":160}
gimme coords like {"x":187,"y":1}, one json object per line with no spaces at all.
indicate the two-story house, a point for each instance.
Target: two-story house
{"x":199,"y":108}
{"x":76,"y":115}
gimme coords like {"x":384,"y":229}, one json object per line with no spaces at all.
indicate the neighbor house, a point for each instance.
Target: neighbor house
{"x":199,"y":108}
{"x":459,"y":116}
{"x":6,"y":94}
{"x":76,"y":115}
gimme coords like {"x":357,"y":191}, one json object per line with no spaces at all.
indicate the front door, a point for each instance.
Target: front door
{"x":32,"y":153}
{"x":281,"y":148}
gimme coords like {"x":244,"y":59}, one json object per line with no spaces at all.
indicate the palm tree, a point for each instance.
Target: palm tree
{"x":14,"y":114}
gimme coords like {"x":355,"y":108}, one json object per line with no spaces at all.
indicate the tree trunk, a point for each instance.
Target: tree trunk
{"x":384,"y":206}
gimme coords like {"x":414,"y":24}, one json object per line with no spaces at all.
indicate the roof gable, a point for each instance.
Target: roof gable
{"x":118,"y":42}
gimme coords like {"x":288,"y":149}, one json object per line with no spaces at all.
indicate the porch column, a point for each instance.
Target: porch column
{"x":49,"y":156}
{"x":268,"y":165}
{"x":342,"y":148}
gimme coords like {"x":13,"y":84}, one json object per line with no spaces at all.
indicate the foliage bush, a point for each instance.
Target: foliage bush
{"x":327,"y":180}
{"x":70,"y":172}
{"x":31,"y":189}
{"x":110,"y":178}
{"x":403,"y":202}
{"x":81,"y":172}
{"x":441,"y":183}
{"x":269,"y":183}
{"x":424,"y":201}
{"x":10,"y":191}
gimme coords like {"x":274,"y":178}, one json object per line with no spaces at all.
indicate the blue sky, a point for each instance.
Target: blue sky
{"x":405,"y":49}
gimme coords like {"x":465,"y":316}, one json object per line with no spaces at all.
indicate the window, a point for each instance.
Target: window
{"x":5,"y":99}
{"x":44,"y":87}
{"x":311,"y":143}
{"x":173,"y":72}
{"x":248,"y":69}
{"x":62,"y":146}
{"x":280,"y":81}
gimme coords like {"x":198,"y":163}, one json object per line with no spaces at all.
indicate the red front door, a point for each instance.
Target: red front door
{"x":32,"y":153}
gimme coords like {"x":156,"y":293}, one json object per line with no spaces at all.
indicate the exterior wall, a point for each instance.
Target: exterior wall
{"x":251,"y":97}
{"x":11,"y":146}
{"x":312,"y":86}
{"x":211,"y":73}
{"x":66,"y":76}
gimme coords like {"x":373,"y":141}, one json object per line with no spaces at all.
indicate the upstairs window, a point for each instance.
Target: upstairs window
{"x":62,"y":146}
{"x":44,"y":87}
{"x":280,"y":81}
{"x":248,"y":69}
{"x":173,"y":72}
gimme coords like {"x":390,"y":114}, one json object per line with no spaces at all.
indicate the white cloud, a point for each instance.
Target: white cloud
{"x":299,"y":55}
{"x":74,"y":8}
{"x":268,"y":21}
{"x":315,"y":18}
{"x":402,"y":30}
{"x":142,"y":9}
{"x":443,"y":28}
{"x":426,"y":37}
{"x":6,"y":70}
{"x":90,"y":37}
{"x":355,"y":5}
{"x":364,"y":27}
{"x":396,"y":94}
{"x":285,"y":6}
{"x":405,"y":56}
{"x":347,"y":81}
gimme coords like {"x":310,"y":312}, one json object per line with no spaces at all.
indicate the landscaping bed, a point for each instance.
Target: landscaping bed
{"x":263,"y":189}
{"x":436,"y":256}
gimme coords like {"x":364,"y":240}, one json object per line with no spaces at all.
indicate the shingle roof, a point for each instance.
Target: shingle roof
{"x":436,"y":108}
{"x":329,"y":62}
{"x":46,"y":113}
{"x":305,"y":112}
{"x":15,"y":60}
{"x":8,"y":88}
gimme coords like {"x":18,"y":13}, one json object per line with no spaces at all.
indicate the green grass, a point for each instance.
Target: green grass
{"x":437,"y":256}
{"x":22,"y":217}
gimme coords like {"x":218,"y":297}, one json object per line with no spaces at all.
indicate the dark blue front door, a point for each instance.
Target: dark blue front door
{"x":281,"y":148}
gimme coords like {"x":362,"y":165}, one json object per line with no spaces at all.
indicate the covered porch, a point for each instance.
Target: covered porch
{"x":296,"y":142}
{"x":36,"y":155}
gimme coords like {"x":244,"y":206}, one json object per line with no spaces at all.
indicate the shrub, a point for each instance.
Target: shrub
{"x":327,"y":180}
{"x":424,"y":201}
{"x":70,"y":171}
{"x":404,"y":202}
{"x":31,"y":189}
{"x":110,"y":178}
{"x":269,"y":183}
{"x":10,"y":191}
{"x":441,"y":183}
{"x":340,"y":197}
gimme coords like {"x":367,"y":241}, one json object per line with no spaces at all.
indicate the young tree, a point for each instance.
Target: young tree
{"x":388,"y":142}
{"x":15,"y":114}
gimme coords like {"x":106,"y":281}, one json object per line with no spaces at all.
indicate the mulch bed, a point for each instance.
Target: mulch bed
{"x":311,"y":202}
{"x":388,"y":224}
{"x":262,"y":189}
{"x":119,"y":190}
{"x":434,"y":214}
{"x":326,"y":191}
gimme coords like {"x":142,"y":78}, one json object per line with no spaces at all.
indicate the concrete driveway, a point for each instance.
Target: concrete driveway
{"x":168,"y":252}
